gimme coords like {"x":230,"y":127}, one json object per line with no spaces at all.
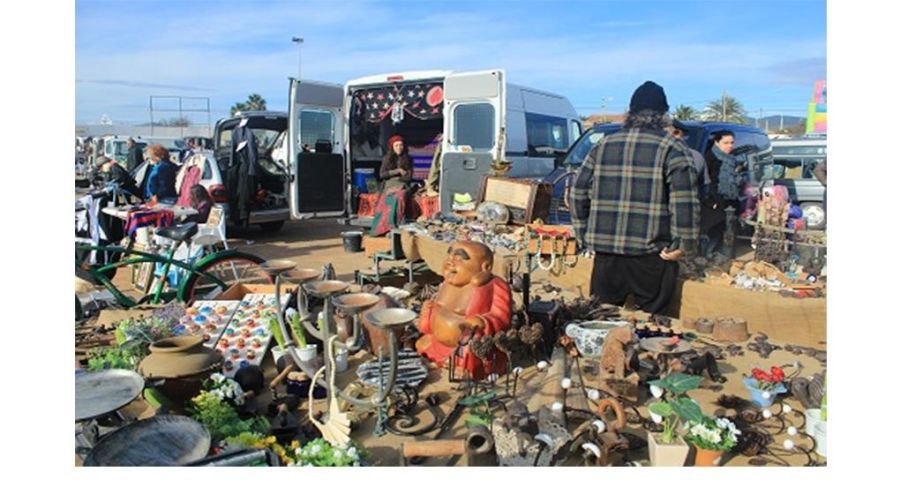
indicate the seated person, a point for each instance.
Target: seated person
{"x":159,"y":186}
{"x":202,"y":202}
{"x":471,"y":301}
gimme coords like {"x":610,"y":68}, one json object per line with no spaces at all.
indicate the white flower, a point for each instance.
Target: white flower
{"x":315,"y":449}
{"x":656,"y":391}
{"x":217,"y":378}
{"x":352,"y":452}
{"x":338,"y":453}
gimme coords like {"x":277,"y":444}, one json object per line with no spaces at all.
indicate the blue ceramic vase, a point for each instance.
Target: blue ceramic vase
{"x":757,"y":395}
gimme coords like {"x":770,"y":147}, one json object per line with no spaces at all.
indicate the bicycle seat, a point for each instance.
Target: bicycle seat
{"x":178,"y":233}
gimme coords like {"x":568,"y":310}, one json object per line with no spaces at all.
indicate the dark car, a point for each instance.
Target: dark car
{"x":751,"y":146}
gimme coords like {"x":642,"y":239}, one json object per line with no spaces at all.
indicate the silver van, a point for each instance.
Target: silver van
{"x":794,"y":161}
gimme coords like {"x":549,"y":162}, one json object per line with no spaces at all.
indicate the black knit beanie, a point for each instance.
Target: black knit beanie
{"x":649,"y":96}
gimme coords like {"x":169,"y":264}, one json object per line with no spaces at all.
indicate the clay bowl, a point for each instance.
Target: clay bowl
{"x":303,"y":275}
{"x":391,"y":319}
{"x":277,"y":267}
{"x":326,"y":288}
{"x":354,"y":303}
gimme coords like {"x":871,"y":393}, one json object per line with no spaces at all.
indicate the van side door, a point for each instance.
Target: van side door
{"x":473,"y":109}
{"x":317,"y":179}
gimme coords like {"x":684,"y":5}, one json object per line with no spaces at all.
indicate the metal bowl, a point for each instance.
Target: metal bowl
{"x":166,"y":440}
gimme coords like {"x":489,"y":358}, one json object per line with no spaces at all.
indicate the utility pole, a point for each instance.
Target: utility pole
{"x":299,"y":42}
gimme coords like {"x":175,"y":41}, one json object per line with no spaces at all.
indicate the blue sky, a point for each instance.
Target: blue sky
{"x":765,"y":53}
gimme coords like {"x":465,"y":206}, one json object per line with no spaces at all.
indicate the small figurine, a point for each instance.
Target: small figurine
{"x":615,"y":351}
{"x":471,"y":301}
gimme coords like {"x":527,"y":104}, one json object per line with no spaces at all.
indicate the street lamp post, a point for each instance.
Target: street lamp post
{"x":299,"y":42}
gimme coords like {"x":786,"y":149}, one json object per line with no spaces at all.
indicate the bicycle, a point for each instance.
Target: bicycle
{"x":205,"y":278}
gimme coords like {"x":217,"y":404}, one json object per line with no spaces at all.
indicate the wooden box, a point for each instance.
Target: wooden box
{"x":527,"y":199}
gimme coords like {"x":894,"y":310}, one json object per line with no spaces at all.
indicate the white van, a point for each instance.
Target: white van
{"x":477,"y":117}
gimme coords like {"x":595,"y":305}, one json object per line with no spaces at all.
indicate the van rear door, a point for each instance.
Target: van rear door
{"x":473,"y":108}
{"x":315,"y":149}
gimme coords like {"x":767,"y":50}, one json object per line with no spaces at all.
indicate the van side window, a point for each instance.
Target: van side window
{"x":316,"y":127}
{"x":207,"y":170}
{"x":473,"y":125}
{"x":546,"y":135}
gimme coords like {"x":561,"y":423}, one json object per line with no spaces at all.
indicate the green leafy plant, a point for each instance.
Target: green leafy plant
{"x":221,"y":419}
{"x":297,"y":330}
{"x":320,"y":453}
{"x":479,"y":405}
{"x":713,"y":434}
{"x":115,"y":358}
{"x":675,"y":406}
{"x":276,"y":332}
{"x":823,"y":409}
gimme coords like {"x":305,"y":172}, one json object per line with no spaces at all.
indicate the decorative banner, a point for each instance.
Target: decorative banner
{"x":816,"y":117}
{"x":422,"y":101}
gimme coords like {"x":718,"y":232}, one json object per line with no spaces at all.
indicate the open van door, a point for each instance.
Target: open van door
{"x":315,"y":149}
{"x":474,"y":114}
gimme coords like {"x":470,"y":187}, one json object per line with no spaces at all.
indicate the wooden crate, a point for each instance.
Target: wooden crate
{"x":527,"y":199}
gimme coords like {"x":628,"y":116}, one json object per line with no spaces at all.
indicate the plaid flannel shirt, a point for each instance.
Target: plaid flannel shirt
{"x":636,"y":194}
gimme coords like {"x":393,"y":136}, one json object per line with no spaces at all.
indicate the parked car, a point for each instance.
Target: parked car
{"x":794,"y":161}
{"x":476,"y":117}
{"x":751,"y":146}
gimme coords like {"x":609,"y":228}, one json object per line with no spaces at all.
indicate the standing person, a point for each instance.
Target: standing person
{"x":821,"y":173}
{"x":433,"y":182}
{"x":679,"y":131}
{"x":723,"y":191}
{"x":635,"y":206}
{"x":114,"y":173}
{"x":187,"y":151}
{"x":396,"y":171}
{"x":159,"y":185}
{"x":135,"y":155}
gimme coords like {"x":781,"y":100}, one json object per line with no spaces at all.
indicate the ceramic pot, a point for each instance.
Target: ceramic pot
{"x":762,"y":398}
{"x":589,"y":336}
{"x":308,"y":352}
{"x":821,"y":437}
{"x":666,"y":455}
{"x":708,"y":458}
{"x":812,"y":418}
{"x":182,"y":363}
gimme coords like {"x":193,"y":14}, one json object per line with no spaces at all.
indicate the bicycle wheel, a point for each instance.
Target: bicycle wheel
{"x":230,"y":269}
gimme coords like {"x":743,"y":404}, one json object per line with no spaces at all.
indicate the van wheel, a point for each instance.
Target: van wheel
{"x":272,"y":227}
{"x":814,"y":214}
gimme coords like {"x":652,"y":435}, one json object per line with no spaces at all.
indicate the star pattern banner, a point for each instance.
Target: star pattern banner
{"x":422,"y":101}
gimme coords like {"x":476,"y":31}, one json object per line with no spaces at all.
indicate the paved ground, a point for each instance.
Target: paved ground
{"x":310,"y":243}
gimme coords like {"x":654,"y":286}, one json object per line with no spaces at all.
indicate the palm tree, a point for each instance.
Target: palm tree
{"x":685,"y":112}
{"x":726,"y":109}
{"x":254,"y":102}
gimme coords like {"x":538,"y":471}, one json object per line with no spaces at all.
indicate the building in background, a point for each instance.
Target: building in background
{"x":816,"y":120}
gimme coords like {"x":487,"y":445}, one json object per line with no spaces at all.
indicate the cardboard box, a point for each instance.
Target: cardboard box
{"x":237,"y":292}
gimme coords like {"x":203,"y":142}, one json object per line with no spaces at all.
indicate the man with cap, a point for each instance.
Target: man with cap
{"x":679,"y":131}
{"x":635,"y":206}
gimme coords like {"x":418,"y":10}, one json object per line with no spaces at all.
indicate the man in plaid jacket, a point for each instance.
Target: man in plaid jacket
{"x":635,"y":204}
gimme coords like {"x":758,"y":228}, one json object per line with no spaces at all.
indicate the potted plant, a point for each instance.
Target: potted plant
{"x":820,"y":429}
{"x":667,"y":448}
{"x":307,"y":351}
{"x":319,"y":453}
{"x":765,"y":386}
{"x":712,"y":437}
